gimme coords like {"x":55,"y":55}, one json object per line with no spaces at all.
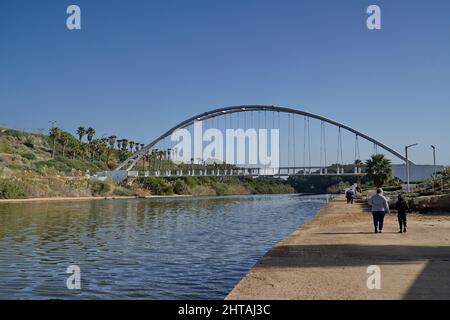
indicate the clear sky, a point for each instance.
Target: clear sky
{"x":138,"y":67}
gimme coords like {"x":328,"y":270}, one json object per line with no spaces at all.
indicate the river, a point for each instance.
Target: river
{"x":191,"y":248}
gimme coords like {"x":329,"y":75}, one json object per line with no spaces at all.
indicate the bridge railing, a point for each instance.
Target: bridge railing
{"x":276,"y":172}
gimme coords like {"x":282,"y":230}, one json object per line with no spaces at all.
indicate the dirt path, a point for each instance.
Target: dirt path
{"x":327,"y":258}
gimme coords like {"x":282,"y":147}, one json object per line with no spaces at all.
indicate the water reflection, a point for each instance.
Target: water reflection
{"x":193,"y":248}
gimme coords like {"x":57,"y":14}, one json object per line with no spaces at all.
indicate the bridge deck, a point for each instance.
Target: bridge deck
{"x":250,"y":172}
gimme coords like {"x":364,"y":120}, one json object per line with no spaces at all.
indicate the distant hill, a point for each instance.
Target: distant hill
{"x":20,"y":151}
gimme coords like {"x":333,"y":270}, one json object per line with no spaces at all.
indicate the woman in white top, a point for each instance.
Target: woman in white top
{"x":380,"y":207}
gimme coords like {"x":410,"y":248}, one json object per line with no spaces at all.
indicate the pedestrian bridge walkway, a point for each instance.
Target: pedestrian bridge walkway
{"x":253,"y":172}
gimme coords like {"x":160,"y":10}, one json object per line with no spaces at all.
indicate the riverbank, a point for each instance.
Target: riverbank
{"x":327,"y":258}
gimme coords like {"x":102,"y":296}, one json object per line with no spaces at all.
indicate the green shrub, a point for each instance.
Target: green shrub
{"x":180,"y":187}
{"x":394,"y":188}
{"x":222,"y":189}
{"x":123,"y":192}
{"x":11,"y":190}
{"x":52,"y":164}
{"x":29,"y":156}
{"x":337,"y":188}
{"x":78,"y":164}
{"x":101,"y":188}
{"x":157,"y":186}
{"x":29,"y":143}
{"x":5,"y":148}
{"x":191,"y":181}
{"x":15,"y":133}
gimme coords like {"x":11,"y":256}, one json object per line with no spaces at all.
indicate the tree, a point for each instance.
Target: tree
{"x":74,"y":148}
{"x":81,"y":132}
{"x":55,"y":133}
{"x":379,"y":169}
{"x":359,"y":163}
{"x":124,"y":144}
{"x":84,"y":150}
{"x":64,"y":139}
{"x":131,"y":144}
{"x":112,"y":141}
{"x":90,"y":134}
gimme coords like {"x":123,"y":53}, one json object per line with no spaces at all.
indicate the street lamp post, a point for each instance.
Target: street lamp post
{"x":434,"y":164}
{"x":434,"y":159}
{"x":407,"y":165}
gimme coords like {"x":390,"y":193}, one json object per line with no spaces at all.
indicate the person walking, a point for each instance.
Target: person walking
{"x":380,"y":207}
{"x":350,"y":195}
{"x":402,"y":208}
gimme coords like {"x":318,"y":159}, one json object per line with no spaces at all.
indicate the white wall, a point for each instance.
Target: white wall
{"x":416,"y":172}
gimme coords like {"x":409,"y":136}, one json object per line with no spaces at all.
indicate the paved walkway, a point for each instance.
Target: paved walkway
{"x":327,"y":258}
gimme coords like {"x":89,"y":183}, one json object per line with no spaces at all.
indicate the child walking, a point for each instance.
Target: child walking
{"x":402,"y":209}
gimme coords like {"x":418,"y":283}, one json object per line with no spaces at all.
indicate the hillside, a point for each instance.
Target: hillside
{"x":21,"y":151}
{"x":36,"y":165}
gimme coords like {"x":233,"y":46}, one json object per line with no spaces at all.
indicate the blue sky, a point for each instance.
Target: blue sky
{"x":138,"y":67}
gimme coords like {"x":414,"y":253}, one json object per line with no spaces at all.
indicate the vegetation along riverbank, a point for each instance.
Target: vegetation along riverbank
{"x":36,"y":165}
{"x":60,"y":164}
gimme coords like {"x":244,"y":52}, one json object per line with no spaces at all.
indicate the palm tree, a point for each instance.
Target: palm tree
{"x":64,"y":139}
{"x":55,"y":133}
{"x":95,"y":146}
{"x":379,"y":169}
{"x":90,"y":134}
{"x":103,"y":147}
{"x":124,"y":144}
{"x":112,"y":141}
{"x":74,"y":148}
{"x":84,"y":150}
{"x":81,"y":132}
{"x":131,"y":145}
{"x":359,"y":164}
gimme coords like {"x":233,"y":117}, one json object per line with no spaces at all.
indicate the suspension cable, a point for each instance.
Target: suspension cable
{"x":309,"y":145}
{"x":304,"y":142}
{"x":288,"y":140}
{"x":357,"y":155}
{"x":339,"y":148}
{"x":293,"y":138}
{"x":321,"y":143}
{"x":324,"y":145}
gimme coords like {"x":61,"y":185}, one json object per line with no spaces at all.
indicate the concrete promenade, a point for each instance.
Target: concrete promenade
{"x":327,"y":258}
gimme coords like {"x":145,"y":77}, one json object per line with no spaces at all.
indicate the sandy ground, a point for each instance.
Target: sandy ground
{"x":90,"y":198}
{"x":328,"y":257}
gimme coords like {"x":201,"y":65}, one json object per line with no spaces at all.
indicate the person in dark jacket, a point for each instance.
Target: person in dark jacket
{"x":402,"y":208}
{"x":350,"y":195}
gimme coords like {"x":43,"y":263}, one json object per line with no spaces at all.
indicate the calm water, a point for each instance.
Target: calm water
{"x":196,"y":248}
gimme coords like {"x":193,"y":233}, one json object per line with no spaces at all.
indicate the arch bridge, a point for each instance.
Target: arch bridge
{"x":160,"y":159}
